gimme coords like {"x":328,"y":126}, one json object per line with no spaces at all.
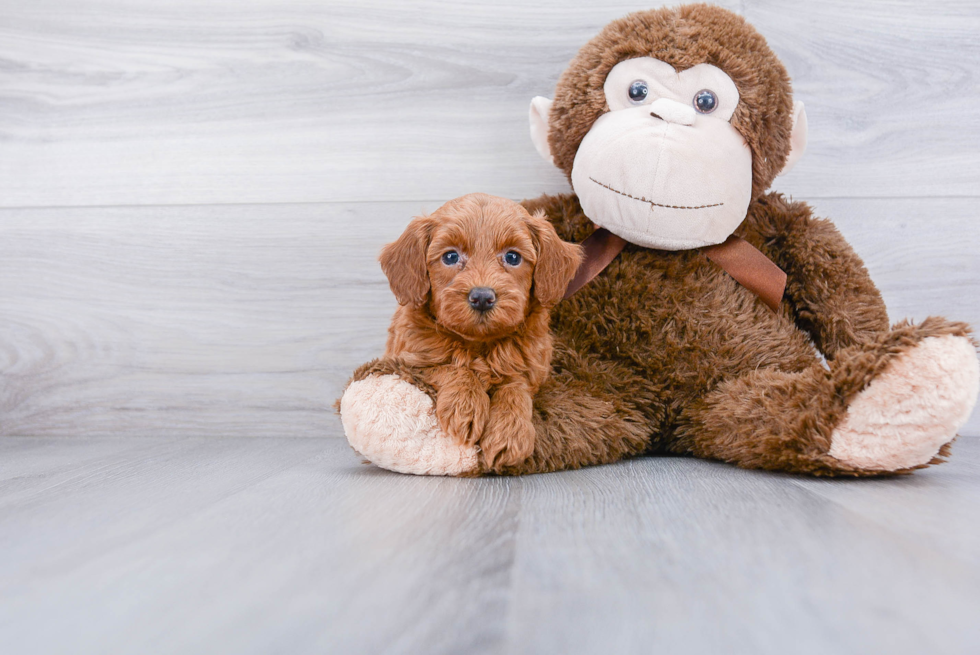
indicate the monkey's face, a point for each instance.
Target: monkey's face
{"x":669,"y":123}
{"x":664,"y":168}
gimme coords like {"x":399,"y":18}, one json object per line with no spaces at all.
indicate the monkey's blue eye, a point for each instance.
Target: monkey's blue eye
{"x":705,"y":101}
{"x":512,"y":258}
{"x":638,"y":91}
{"x":450,"y":258}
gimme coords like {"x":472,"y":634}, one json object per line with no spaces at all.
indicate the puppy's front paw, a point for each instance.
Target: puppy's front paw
{"x":507,"y":441}
{"x":462,"y":413}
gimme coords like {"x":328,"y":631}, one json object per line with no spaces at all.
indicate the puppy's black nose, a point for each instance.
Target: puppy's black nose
{"x":482,"y":298}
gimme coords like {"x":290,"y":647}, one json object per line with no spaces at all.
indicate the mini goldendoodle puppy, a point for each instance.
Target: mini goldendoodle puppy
{"x":475,"y":280}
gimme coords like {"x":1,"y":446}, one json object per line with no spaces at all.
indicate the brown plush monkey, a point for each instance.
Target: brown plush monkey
{"x":671,"y":125}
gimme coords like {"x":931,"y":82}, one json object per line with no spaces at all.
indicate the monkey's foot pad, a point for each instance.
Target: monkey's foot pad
{"x":910,"y":411}
{"x":393,"y":424}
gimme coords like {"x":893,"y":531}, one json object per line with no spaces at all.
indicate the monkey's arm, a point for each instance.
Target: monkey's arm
{"x":828,"y":288}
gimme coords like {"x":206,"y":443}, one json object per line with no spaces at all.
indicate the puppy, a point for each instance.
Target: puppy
{"x":475,"y":281}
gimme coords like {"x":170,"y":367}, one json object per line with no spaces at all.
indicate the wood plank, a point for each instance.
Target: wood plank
{"x":232,"y":320}
{"x":676,"y":555}
{"x":247,"y":320}
{"x":923,"y":506}
{"x":208,"y":545}
{"x":217,"y":547}
{"x":119,"y":103}
{"x":152,"y":483}
{"x":877,"y":79}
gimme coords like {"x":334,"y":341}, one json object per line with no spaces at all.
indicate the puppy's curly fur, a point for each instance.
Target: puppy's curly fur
{"x":485,"y":362}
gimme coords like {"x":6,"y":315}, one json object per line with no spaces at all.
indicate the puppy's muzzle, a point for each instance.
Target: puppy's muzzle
{"x":482,"y":299}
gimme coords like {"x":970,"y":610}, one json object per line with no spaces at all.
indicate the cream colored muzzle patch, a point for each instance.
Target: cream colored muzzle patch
{"x":664,"y":184}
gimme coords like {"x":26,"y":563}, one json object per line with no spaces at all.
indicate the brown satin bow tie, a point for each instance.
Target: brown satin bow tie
{"x":736,"y":256}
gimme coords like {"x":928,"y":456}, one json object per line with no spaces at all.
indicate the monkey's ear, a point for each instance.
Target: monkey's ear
{"x":538,"y":114}
{"x":797,"y":139}
{"x":557,"y":262}
{"x":403,"y":262}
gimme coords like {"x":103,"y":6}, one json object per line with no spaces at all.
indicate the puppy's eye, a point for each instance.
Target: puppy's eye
{"x":450,"y":258}
{"x":512,"y":258}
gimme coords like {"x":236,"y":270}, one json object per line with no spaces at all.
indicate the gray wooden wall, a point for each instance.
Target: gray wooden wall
{"x":193,"y":192}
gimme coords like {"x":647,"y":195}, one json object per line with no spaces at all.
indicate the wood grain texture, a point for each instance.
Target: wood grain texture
{"x":204,"y":545}
{"x":108,"y":102}
{"x":232,"y":320}
{"x":248,"y":320}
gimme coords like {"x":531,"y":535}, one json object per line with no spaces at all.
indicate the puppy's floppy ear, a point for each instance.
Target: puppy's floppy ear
{"x":403,"y":262}
{"x":557,"y":261}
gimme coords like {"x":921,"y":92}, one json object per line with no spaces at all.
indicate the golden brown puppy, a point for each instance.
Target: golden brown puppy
{"x":475,"y":280}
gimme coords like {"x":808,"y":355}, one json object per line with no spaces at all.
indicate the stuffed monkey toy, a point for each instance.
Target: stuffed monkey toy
{"x":718,"y":320}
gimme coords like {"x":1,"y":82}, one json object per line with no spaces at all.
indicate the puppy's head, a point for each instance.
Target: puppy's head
{"x":481,"y":263}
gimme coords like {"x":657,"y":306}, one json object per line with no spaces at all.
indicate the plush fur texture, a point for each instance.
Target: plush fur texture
{"x":484,"y":364}
{"x":714,"y":372}
{"x":663,"y":352}
{"x":390,"y":423}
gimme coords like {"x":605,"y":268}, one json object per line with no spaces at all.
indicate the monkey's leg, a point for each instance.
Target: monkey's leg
{"x":582,"y":423}
{"x":889,"y":406}
{"x":579,"y":420}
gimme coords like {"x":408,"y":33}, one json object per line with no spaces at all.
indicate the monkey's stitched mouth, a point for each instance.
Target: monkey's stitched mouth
{"x":650,"y":202}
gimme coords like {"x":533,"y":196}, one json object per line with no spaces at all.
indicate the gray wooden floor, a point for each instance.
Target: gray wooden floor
{"x":290,"y":545}
{"x":192,"y":197}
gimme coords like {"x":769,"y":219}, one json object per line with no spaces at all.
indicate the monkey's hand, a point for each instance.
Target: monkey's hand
{"x":509,"y":437}
{"x":828,"y":288}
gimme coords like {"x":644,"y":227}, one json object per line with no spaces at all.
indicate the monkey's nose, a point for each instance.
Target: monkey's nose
{"x":673,"y":112}
{"x":482,"y":298}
